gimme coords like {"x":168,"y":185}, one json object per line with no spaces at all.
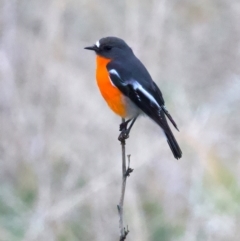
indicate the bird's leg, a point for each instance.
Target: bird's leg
{"x":124,"y":130}
{"x":123,"y":125}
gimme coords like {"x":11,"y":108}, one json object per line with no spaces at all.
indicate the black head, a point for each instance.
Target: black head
{"x":110,"y":47}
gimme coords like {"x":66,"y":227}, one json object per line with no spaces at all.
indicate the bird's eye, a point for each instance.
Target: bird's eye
{"x":107,"y":48}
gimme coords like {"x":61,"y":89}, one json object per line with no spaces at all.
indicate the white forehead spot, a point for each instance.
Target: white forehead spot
{"x":97,"y":43}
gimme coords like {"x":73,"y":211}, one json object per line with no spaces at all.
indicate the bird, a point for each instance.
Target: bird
{"x":129,"y":90}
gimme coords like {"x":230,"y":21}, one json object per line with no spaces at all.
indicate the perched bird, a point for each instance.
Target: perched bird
{"x":128,"y":88}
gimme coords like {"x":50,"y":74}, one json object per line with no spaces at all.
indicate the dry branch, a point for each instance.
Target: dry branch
{"x":125,"y":173}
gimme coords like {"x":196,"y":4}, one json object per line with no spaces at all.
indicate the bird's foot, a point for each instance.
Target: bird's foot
{"x":123,"y":135}
{"x":123,"y":125}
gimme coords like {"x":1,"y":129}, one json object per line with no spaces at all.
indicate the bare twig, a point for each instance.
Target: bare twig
{"x":125,"y":173}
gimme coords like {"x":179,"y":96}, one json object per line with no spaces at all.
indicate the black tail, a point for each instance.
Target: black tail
{"x":173,"y":144}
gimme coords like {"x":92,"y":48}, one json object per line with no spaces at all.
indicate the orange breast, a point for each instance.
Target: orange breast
{"x":110,"y":93}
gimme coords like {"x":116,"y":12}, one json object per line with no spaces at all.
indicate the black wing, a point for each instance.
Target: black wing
{"x":142,"y":91}
{"x":144,"y":97}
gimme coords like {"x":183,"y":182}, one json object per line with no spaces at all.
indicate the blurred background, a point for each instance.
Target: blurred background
{"x":60,"y":161}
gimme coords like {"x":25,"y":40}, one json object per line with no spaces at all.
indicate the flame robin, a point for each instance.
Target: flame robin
{"x":128,"y":88}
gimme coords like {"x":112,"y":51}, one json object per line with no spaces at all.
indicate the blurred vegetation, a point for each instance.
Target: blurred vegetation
{"x":60,"y":164}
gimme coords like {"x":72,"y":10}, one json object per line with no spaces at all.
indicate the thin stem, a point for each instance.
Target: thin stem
{"x":123,"y":231}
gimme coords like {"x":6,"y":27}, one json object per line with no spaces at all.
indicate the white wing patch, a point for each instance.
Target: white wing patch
{"x":136,"y":86}
{"x":113,"y":71}
{"x":97,"y":44}
{"x":139,"y":87}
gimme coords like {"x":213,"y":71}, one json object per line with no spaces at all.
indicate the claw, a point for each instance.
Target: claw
{"x":124,"y":130}
{"x":123,"y":135}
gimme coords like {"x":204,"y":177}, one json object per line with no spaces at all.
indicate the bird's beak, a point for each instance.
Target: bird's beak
{"x":94,"y":47}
